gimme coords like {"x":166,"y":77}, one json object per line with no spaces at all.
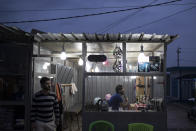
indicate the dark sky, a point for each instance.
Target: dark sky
{"x":183,"y":24}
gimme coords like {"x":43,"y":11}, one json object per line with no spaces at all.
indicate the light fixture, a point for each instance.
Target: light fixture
{"x":130,"y":68}
{"x":51,"y":77}
{"x":63,"y":54}
{"x":80,"y":62}
{"x":39,"y":77}
{"x":105,"y":62}
{"x":96,"y":69}
{"x":45,"y":66}
{"x":142,"y":58}
{"x":88,"y":66}
{"x":154,"y":77}
{"x":133,"y":77}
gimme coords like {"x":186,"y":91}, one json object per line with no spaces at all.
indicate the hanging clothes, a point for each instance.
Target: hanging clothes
{"x":73,"y":89}
{"x":58,"y":93}
{"x":59,"y":99}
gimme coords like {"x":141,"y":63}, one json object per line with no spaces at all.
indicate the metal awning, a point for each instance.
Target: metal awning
{"x":84,"y":37}
{"x":103,"y":43}
{"x":96,"y":43}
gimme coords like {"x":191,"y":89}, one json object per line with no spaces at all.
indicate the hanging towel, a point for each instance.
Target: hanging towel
{"x":73,"y":89}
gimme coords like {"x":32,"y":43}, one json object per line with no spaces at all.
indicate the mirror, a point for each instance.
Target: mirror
{"x":97,"y":58}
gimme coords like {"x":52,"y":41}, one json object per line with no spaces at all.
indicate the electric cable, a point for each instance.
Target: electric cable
{"x":87,"y":15}
{"x":84,"y":8}
{"x":110,"y":26}
{"x":158,"y":20}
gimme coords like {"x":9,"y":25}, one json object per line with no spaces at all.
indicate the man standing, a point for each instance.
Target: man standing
{"x":44,"y":107}
{"x":116,"y":100}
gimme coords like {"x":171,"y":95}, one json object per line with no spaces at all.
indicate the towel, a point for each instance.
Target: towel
{"x":73,"y":89}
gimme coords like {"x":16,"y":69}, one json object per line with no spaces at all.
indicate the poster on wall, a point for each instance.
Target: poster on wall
{"x":144,"y":67}
{"x":154,"y":66}
{"x":154,"y":63}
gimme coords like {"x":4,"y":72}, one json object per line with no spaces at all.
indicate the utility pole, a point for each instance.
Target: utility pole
{"x":178,"y":56}
{"x":180,"y":73}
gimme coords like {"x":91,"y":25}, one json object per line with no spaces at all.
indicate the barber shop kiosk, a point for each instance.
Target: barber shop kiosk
{"x":84,"y":70}
{"x":135,"y":61}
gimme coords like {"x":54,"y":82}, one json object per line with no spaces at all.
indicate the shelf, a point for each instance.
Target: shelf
{"x":124,"y":74}
{"x":11,"y":103}
{"x":44,"y":74}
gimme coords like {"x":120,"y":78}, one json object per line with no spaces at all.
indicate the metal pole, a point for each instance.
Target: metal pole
{"x":178,"y":56}
{"x":124,"y":57}
{"x":180,"y":73}
{"x":180,"y":86}
{"x":164,"y":69}
{"x":38,"y":50}
{"x":165,"y":83}
{"x":152,"y":87}
{"x":84,"y":51}
{"x":28,"y":90}
{"x":152,"y":80}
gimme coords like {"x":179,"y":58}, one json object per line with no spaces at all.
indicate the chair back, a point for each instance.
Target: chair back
{"x":140,"y":127}
{"x":101,"y":125}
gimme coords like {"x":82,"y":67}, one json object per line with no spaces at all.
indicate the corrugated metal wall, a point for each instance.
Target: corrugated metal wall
{"x":96,"y":86}
{"x":99,"y":86}
{"x":187,"y":88}
{"x":158,"y":89}
{"x":74,"y":72}
{"x":65,"y":75}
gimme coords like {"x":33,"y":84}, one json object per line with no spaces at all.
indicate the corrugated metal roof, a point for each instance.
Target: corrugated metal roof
{"x":103,"y":43}
{"x":13,"y":33}
{"x":84,"y":37}
{"x":8,"y":33}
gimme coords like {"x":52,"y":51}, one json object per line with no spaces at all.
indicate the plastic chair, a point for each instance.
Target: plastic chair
{"x":101,"y":125}
{"x":140,"y":127}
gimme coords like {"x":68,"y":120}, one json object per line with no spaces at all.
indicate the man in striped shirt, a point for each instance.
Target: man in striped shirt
{"x":45,"y":108}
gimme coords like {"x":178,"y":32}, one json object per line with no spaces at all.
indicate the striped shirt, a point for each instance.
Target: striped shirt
{"x":44,"y":106}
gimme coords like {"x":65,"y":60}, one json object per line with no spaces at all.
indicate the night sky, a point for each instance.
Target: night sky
{"x":183,"y":23}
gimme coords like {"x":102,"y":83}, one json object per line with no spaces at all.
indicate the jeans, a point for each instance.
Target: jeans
{"x":45,"y":126}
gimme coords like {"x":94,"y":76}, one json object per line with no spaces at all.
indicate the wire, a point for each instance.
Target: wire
{"x":85,"y":8}
{"x":155,"y":21}
{"x":183,"y":4}
{"x":110,"y":26}
{"x":68,"y":9}
{"x":95,"y":14}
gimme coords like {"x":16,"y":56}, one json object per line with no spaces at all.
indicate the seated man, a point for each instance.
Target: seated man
{"x":116,"y":100}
